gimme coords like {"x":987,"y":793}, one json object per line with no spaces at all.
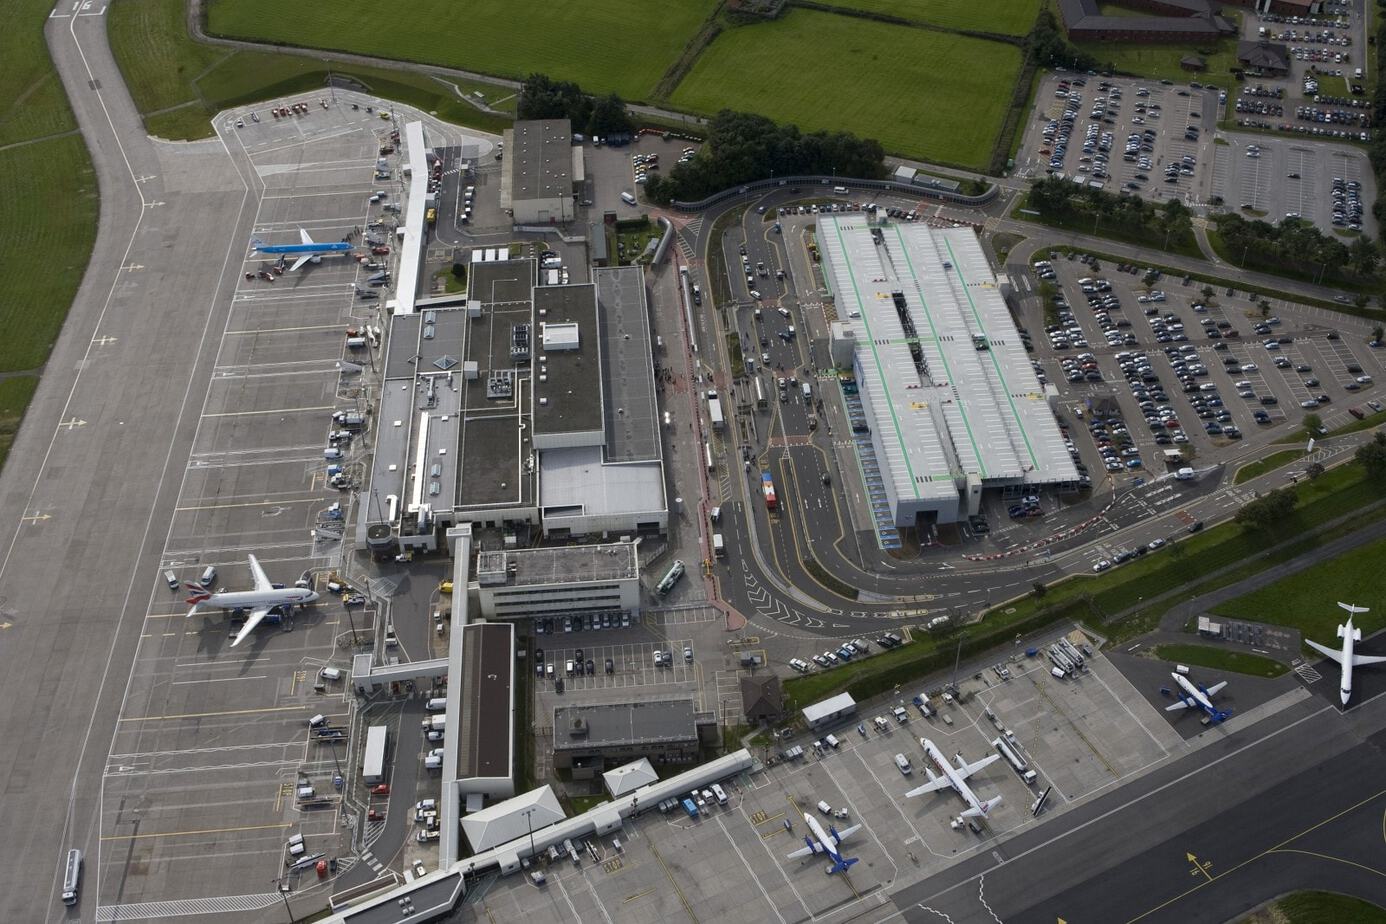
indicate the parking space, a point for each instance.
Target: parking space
{"x":1275,"y":178}
{"x":619,"y":665}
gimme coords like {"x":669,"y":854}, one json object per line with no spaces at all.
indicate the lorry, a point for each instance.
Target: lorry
{"x":714,"y":411}
{"x":719,"y":546}
{"x":1014,"y":759}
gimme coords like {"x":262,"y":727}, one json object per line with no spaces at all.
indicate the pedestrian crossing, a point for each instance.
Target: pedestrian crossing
{"x":372,"y":861}
{"x":182,"y":907}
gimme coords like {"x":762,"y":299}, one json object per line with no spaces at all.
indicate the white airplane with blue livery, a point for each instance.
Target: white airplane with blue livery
{"x":309,"y":250}
{"x":1197,"y":696}
{"x":826,"y":842}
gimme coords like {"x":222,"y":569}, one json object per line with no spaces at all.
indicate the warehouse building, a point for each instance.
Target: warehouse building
{"x":1169,"y":21}
{"x":543,"y":169}
{"x":950,"y":404}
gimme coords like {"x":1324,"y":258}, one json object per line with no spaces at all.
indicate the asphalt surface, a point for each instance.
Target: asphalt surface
{"x":1291,"y":802}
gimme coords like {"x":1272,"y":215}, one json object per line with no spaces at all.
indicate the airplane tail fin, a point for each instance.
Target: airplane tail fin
{"x":1220,"y":716}
{"x":842,"y":865}
{"x":1354,"y":609}
{"x":983,"y":809}
{"x":197,"y":596}
{"x":256,"y":243}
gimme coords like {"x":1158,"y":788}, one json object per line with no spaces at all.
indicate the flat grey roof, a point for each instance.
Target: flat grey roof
{"x":970,"y":411}
{"x":393,"y":424}
{"x":403,"y":344}
{"x":574,"y":564}
{"x":618,"y":724}
{"x":501,"y":282}
{"x":569,"y":399}
{"x":576,"y":483}
{"x":484,"y":736}
{"x":541,"y":159}
{"x":628,"y":386}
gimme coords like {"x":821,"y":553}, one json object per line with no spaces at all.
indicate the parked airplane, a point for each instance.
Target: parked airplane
{"x":1345,"y":657}
{"x":956,"y":778}
{"x":308,"y":250}
{"x":260,"y":601}
{"x":1191,"y":696}
{"x":821,"y":841}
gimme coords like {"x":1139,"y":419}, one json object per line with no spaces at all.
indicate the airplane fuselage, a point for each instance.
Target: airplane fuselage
{"x":958,"y":783}
{"x":1194,"y":693}
{"x":1345,"y":684}
{"x":829,"y":845}
{"x":250,"y":599}
{"x":338,"y":247}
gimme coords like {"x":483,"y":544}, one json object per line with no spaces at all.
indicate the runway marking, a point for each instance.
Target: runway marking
{"x":638,"y":895}
{"x":280,"y":410}
{"x":196,"y":831}
{"x":1324,"y":856}
{"x":673,"y":882}
{"x":318,"y":498}
{"x":216,"y":679}
{"x":208,"y":715}
{"x":285,"y":330}
{"x":35,"y":518}
{"x":1199,"y":866}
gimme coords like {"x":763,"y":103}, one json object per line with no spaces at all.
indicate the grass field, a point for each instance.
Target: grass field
{"x":1162,"y":61}
{"x":1221,"y":659}
{"x":1317,"y":908}
{"x":922,"y":94}
{"x":1269,"y":463}
{"x":1306,"y":601}
{"x":50,"y":223}
{"x":14,"y":399}
{"x":1006,"y":17}
{"x":32,"y":103}
{"x":604,"y":45}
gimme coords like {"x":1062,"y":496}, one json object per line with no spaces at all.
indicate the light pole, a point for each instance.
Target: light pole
{"x":956,"y":659}
{"x":529,"y":822}
{"x":284,"y":889}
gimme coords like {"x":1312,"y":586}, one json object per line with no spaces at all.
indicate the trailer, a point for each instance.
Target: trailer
{"x":671,"y":577}
{"x":690,"y":808}
{"x":714,"y":411}
{"x":373,"y":767}
{"x":1014,"y":759}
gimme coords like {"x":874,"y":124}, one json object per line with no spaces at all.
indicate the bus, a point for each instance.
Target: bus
{"x":670,"y":578}
{"x":72,"y":877}
{"x":707,"y":451}
{"x":760,"y":394}
{"x":767,"y":488}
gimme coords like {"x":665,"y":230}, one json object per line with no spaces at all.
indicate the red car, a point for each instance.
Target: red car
{"x":380,"y":250}
{"x":380,"y":789}
{"x":373,"y":815}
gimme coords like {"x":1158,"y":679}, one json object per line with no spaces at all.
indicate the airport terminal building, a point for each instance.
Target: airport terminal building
{"x":950,"y":403}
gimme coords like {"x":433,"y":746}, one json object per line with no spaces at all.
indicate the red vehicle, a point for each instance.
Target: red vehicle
{"x":380,"y":789}
{"x":373,"y":815}
{"x":767,"y":488}
{"x":380,"y":250}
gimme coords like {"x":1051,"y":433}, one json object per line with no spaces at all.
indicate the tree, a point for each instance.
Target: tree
{"x":1267,"y":510}
{"x":459,"y":271}
{"x":1207,"y":291}
{"x":609,"y":117}
{"x":1363,"y":255}
{"x":1372,"y":456}
{"x":1265,"y":308}
{"x":1377,"y":333}
{"x":1039,"y":588}
{"x":1313,"y":423}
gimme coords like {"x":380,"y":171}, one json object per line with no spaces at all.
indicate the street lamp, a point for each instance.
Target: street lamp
{"x":529,"y":822}
{"x":284,"y":890}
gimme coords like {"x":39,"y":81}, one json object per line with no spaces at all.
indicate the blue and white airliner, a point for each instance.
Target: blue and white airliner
{"x":308,"y":250}
{"x":1200,"y":697}
{"x":826,"y":842}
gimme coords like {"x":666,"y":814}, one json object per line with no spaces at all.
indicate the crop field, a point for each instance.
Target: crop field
{"x":604,"y":45}
{"x":922,"y":94}
{"x":1007,"y":17}
{"x":1308,"y":600}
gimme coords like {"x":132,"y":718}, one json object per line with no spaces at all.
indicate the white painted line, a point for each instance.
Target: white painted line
{"x":219,"y":679}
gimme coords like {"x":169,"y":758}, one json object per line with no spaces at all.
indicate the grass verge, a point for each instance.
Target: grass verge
{"x":1221,"y":659}
{"x":835,"y":584}
{"x":15,"y":394}
{"x":1124,"y":235}
{"x":1373,"y":419}
{"x":1300,"y":601}
{"x":1269,"y":463}
{"x":1317,"y":908}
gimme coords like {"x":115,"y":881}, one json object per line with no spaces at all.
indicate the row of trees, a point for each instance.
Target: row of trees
{"x":1275,"y":507}
{"x":1049,"y":47}
{"x":741,"y":148}
{"x":1065,"y":203}
{"x":1297,"y":245}
{"x":542,"y":97}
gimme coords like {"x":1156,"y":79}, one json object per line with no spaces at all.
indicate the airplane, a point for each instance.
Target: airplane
{"x":259,"y":601}
{"x":956,"y":778}
{"x":821,"y":841}
{"x":1345,"y":657}
{"x":1197,"y":696}
{"x":308,"y":250}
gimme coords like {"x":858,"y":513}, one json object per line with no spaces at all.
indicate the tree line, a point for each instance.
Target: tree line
{"x":542,"y":97}
{"x":1297,"y":245}
{"x":1066,"y":203}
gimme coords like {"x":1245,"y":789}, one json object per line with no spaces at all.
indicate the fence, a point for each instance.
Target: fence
{"x":913,"y":189}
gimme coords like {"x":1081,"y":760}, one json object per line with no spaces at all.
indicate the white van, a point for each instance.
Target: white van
{"x":840,"y":190}
{"x":209,"y":576}
{"x":437,"y":704}
{"x":832,"y":741}
{"x":330,"y":673}
{"x":628,"y":199}
{"x":720,"y":794}
{"x":903,"y":763}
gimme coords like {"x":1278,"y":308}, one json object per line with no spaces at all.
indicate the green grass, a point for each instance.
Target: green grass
{"x":14,"y":400}
{"x":32,"y":103}
{"x":923,"y":94}
{"x":1305,"y":601}
{"x":583,"y":803}
{"x":604,"y":45}
{"x":1006,"y":17}
{"x":50,"y":224}
{"x":1372,"y":419}
{"x":1318,"y":908}
{"x":159,"y":62}
{"x":1221,"y":659}
{"x":1269,"y":463}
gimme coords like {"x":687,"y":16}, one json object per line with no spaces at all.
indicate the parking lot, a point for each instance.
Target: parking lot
{"x":1144,"y":137}
{"x":1270,"y":177}
{"x":1079,"y":735}
{"x":213,"y":759}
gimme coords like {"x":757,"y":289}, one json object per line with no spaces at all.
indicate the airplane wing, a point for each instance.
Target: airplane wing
{"x":1215,"y":689}
{"x":1358,"y":660}
{"x":934,"y":785}
{"x":804,"y":851}
{"x":261,"y":581}
{"x":299,"y":262}
{"x":965,"y":769}
{"x":305,"y":237}
{"x":847,"y":832}
{"x":251,"y":621}
{"x":1328,"y":652}
{"x":1181,"y":704}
